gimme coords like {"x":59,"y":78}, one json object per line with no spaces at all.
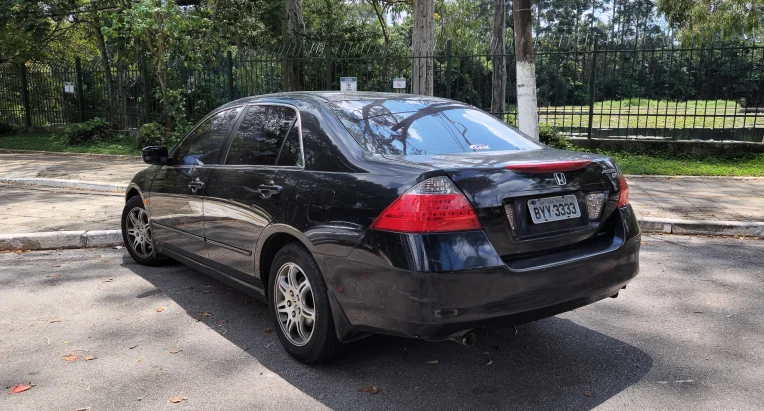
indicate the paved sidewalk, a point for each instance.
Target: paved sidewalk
{"x":698,"y":198}
{"x":102,"y":169}
{"x":27,"y":209}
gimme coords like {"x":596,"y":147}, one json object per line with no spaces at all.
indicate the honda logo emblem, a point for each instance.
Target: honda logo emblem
{"x":560,"y":179}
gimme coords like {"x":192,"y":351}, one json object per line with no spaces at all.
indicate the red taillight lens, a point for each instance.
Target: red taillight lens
{"x":623,"y":198}
{"x":548,"y":166}
{"x":433,"y":206}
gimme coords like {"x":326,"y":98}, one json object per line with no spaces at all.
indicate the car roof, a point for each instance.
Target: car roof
{"x":337,"y":96}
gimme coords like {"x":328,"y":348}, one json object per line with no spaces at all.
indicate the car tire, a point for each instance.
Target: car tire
{"x":298,"y":302}
{"x":136,"y":234}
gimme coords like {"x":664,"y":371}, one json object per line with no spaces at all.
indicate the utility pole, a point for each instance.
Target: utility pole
{"x":527,"y":111}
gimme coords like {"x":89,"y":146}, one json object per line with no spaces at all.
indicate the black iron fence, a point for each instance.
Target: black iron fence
{"x":649,"y":88}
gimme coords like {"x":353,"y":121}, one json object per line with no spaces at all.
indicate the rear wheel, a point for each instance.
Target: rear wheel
{"x":136,"y":233}
{"x":299,"y":306}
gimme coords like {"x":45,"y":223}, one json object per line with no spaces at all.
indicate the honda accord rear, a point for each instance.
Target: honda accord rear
{"x":358,"y":213}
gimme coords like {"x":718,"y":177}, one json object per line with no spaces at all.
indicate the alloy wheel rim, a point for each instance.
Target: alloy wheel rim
{"x":139,"y":232}
{"x":295,"y":309}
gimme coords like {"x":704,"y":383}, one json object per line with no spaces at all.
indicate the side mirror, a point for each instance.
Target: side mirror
{"x":156,"y":155}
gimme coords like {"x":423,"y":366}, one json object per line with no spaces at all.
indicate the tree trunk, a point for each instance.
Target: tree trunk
{"x":423,"y":47}
{"x":527,"y":111}
{"x":499,"y":62}
{"x":294,"y":27}
{"x":106,"y":67}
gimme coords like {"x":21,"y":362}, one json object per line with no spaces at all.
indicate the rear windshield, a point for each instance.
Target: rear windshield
{"x":431,"y":128}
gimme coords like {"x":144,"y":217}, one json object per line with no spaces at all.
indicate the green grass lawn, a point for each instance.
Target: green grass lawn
{"x":57,"y":142}
{"x":633,"y":113}
{"x":675,"y":165}
{"x":653,"y":164}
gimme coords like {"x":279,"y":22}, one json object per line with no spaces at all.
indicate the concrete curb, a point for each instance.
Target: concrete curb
{"x":72,"y":184}
{"x":60,"y":239}
{"x":665,"y":177}
{"x":701,"y":227}
{"x":109,"y":238}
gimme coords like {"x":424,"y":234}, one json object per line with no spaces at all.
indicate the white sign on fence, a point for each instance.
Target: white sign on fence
{"x":68,"y":87}
{"x":348,"y":84}
{"x":399,"y":83}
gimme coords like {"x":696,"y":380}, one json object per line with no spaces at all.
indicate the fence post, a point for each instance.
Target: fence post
{"x":80,"y":93}
{"x":448,"y":69}
{"x":230,"y":75}
{"x":25,"y":97}
{"x":328,"y":63}
{"x":146,"y":90}
{"x":592,"y":81}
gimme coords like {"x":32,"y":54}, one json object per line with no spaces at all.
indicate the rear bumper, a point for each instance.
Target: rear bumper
{"x":371,"y":293}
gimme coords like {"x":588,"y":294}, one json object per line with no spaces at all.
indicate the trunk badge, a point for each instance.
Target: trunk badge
{"x":560,"y":179}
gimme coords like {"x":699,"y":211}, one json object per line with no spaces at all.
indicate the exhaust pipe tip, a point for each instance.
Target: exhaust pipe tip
{"x":469,"y":339}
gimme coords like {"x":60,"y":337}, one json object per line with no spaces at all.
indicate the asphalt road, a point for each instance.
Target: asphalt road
{"x":688,"y":333}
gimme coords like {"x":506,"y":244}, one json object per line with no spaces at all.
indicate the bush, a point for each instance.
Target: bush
{"x":551,"y":136}
{"x":153,"y":134}
{"x":6,"y":129}
{"x":96,"y":129}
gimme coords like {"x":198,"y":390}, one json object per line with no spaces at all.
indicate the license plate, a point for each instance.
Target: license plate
{"x":544,"y":210}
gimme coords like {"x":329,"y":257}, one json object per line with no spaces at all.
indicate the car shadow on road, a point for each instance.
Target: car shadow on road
{"x":550,"y":364}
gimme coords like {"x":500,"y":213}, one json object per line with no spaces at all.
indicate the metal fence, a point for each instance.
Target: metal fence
{"x":650,"y":88}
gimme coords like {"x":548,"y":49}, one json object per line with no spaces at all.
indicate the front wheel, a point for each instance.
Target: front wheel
{"x":136,"y":233}
{"x":299,"y":306}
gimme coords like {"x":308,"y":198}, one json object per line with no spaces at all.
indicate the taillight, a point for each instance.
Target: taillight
{"x":623,"y":198}
{"x":432,"y":206}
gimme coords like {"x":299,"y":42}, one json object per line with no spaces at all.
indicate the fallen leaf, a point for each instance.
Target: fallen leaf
{"x":175,"y":351}
{"x":587,"y":393}
{"x":489,"y":362}
{"x":18,"y":251}
{"x":20,"y":388}
{"x":223,"y":321}
{"x":56,"y":266}
{"x":132,"y":347}
{"x":53,"y":275}
{"x":83,"y":409}
{"x":206,"y":314}
{"x":177,"y":399}
{"x":137,"y":360}
{"x":90,"y":358}
{"x":71,"y":358}
{"x":55,"y":320}
{"x":643,"y":242}
{"x":257,"y":313}
{"x":269,"y":329}
{"x":66,"y":341}
{"x":370,"y":389}
{"x":432,"y":362}
{"x":160,"y":309}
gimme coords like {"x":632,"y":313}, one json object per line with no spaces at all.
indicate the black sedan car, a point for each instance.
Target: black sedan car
{"x":360,"y":213}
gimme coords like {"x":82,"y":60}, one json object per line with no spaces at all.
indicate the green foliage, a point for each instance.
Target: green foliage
{"x":550,"y":136}
{"x":153,"y":134}
{"x":116,"y":144}
{"x":664,"y":163}
{"x":6,"y":129}
{"x":93,"y":130}
{"x":721,"y":17}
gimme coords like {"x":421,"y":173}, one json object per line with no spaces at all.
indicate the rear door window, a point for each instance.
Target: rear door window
{"x":436,"y":128}
{"x":261,"y":135}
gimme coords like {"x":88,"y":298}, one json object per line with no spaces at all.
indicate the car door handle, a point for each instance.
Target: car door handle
{"x":195,"y":185}
{"x":267,"y":190}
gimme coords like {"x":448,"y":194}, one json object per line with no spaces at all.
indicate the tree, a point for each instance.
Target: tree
{"x":527,"y":110}
{"x":727,"y":17}
{"x":499,"y":62}
{"x":423,"y":47}
{"x":294,"y":31}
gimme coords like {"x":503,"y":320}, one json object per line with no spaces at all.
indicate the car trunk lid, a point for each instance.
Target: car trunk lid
{"x":508,"y":188}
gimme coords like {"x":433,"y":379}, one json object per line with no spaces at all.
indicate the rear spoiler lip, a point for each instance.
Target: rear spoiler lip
{"x":547,"y":166}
